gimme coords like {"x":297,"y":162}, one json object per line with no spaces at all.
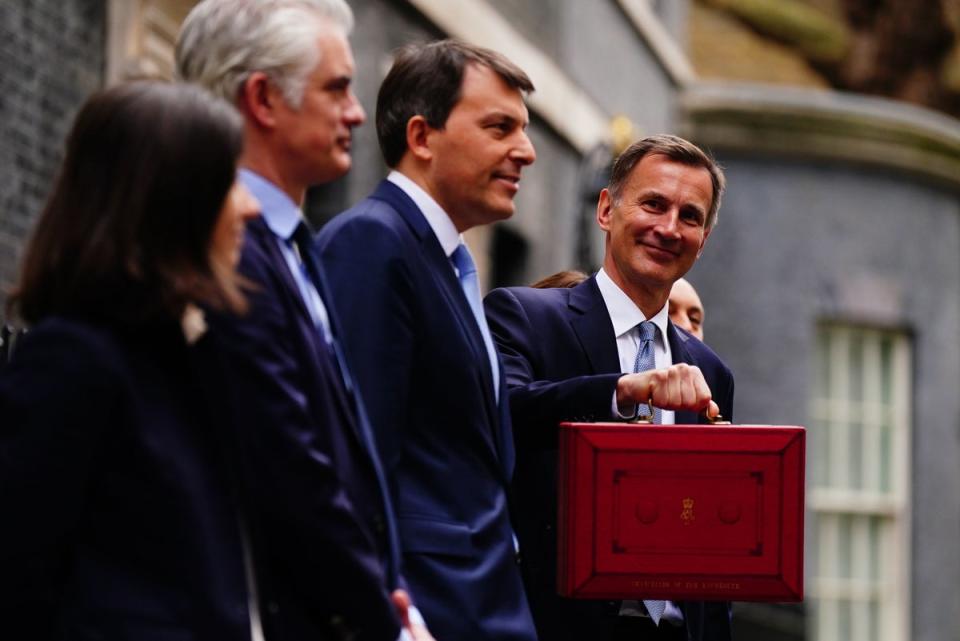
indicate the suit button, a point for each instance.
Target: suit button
{"x":273,"y":608}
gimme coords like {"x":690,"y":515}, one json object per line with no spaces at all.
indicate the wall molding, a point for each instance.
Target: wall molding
{"x":822,"y":124}
{"x":661,"y":42}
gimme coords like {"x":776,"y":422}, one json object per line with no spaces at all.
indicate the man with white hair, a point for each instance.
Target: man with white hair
{"x":322,"y":537}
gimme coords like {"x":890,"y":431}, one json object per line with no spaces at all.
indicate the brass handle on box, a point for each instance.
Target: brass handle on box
{"x":717,"y":420}
{"x":648,"y":418}
{"x":641,"y":419}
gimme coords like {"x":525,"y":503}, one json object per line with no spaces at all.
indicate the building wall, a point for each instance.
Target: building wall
{"x":799,"y":242}
{"x":52,"y":57}
{"x":544,"y":227}
{"x":603,"y":53}
{"x":57,"y":57}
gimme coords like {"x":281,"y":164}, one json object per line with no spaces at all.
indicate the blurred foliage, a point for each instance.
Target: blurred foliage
{"x":817,"y":35}
{"x":903,"y":49}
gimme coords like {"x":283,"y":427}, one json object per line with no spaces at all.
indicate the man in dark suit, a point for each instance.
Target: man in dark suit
{"x":600,"y":350}
{"x":324,"y":541}
{"x":451,"y":122}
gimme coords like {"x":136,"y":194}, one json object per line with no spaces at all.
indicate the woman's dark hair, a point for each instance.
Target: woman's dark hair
{"x":125,"y":234}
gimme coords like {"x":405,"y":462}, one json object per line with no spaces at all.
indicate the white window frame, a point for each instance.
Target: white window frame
{"x":832,"y":501}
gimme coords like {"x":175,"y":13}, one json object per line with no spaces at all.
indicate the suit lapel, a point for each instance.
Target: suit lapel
{"x":267,"y":241}
{"x":591,"y":323}
{"x":441,"y":270}
{"x":325,"y":358}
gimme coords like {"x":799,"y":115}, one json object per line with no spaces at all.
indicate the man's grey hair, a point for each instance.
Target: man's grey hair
{"x":222,"y":42}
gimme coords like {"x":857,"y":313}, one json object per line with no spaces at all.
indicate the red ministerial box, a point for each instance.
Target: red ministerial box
{"x":681,"y":512}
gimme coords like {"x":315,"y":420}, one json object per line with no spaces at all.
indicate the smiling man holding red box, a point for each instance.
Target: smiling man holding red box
{"x":600,"y":351}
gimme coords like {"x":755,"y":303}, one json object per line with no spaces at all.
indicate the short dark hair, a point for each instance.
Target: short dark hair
{"x":678,"y":150}
{"x":126,"y":232}
{"x":426,"y":80}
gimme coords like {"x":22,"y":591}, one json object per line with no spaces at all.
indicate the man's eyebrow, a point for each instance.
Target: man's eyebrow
{"x":650,"y":194}
{"x":339,"y":82}
{"x":498,"y":115}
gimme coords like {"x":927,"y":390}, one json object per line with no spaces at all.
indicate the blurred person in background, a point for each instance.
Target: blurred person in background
{"x":566,"y":278}
{"x":120,"y":516}
{"x":686,"y":310}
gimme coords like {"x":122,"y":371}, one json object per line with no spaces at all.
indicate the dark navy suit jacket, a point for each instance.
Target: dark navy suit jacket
{"x":560,"y":356}
{"x":421,"y":365}
{"x":324,"y":540}
{"x":118,"y":511}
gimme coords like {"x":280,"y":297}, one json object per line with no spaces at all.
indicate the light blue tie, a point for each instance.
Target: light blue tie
{"x":467,"y":271}
{"x":645,"y":360}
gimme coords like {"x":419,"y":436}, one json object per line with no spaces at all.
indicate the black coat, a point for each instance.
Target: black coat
{"x":119,"y":519}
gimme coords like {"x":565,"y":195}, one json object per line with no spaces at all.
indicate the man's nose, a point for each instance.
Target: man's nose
{"x":354,"y":115}
{"x":668,"y":225}
{"x":523,"y":152}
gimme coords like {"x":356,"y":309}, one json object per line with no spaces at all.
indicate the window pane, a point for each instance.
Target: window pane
{"x":886,"y":454}
{"x":855,"y":553}
{"x":844,"y":547}
{"x":873,"y":543}
{"x":855,"y":365}
{"x":843,"y":620}
{"x":819,"y":461}
{"x":886,"y":367}
{"x":855,"y":461}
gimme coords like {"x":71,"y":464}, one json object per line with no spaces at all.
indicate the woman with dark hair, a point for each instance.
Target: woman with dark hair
{"x":120,"y":518}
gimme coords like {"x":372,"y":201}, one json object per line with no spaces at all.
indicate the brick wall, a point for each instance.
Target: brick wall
{"x":52,"y":57}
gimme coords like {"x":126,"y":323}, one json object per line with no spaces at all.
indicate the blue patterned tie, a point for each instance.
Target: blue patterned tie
{"x":467,"y":270}
{"x":645,"y":360}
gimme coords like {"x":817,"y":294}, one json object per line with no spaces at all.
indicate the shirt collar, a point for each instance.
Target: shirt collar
{"x":439,"y":221}
{"x":278,"y":211}
{"x":624,"y":314}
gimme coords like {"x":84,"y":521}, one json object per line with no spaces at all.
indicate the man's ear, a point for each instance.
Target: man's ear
{"x":418,"y":138}
{"x":259,"y":98}
{"x":604,"y":209}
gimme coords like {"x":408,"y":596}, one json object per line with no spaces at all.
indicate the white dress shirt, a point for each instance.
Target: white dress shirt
{"x":446,"y":232}
{"x":439,"y":221}
{"x":626,"y":316}
{"x":282,"y":216}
